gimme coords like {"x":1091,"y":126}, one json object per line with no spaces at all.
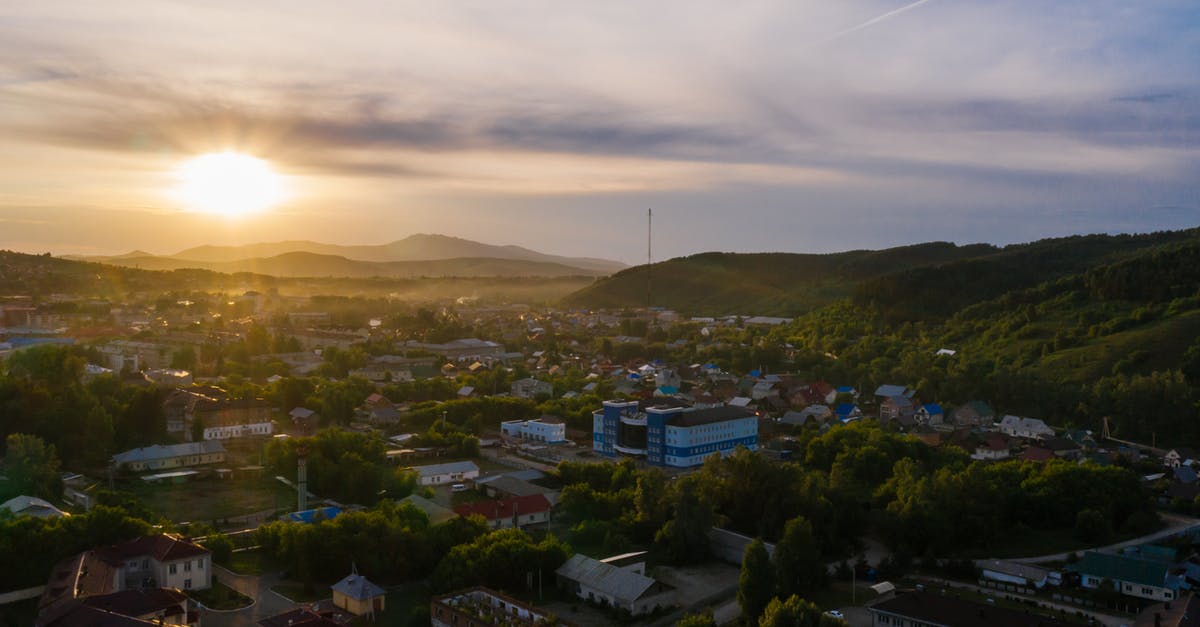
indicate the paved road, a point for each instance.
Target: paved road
{"x":1176,"y":524}
{"x":269,"y":603}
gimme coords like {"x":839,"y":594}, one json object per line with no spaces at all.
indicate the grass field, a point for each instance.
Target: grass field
{"x":295,"y":592}
{"x":251,"y":563}
{"x":212,"y":500}
{"x":406,"y":605}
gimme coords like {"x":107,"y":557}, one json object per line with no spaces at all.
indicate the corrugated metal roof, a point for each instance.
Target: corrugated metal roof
{"x":623,"y":585}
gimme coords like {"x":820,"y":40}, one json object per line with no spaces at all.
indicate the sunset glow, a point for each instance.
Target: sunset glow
{"x":228,"y":183}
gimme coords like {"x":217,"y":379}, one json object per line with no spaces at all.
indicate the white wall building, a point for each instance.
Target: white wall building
{"x":442,"y":474}
{"x":548,"y":429}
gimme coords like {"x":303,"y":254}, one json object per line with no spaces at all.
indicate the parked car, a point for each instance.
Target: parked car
{"x":458,"y":487}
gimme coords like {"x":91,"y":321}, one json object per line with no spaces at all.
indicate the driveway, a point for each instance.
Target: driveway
{"x":258,"y":587}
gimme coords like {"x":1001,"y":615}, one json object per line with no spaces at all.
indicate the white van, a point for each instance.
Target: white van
{"x":458,"y":487}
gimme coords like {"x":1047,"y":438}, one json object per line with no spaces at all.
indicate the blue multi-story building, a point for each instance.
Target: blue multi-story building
{"x":666,"y":433}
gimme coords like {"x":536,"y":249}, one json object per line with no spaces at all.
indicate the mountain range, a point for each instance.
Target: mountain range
{"x":416,"y":255}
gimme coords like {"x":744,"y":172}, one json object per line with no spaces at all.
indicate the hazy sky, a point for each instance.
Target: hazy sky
{"x":794,"y":125}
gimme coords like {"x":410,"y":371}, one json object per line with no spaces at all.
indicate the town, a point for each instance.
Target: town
{"x":260,"y":458}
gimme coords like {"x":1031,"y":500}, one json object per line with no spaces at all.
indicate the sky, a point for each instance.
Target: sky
{"x":798,"y":125}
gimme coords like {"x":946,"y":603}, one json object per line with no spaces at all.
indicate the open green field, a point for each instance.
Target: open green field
{"x":211,"y":499}
{"x":405,"y":606}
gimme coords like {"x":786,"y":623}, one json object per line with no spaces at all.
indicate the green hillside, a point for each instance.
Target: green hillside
{"x":760,"y":283}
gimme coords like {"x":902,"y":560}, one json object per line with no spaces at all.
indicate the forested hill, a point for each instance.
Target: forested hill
{"x":1117,"y":338}
{"x":910,"y":282}
{"x":761,"y":283}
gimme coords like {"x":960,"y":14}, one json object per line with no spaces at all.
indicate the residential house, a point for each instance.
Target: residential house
{"x":1130,"y":575}
{"x":1062,"y":447}
{"x":1029,"y":428}
{"x":515,"y":511}
{"x":442,"y":474}
{"x":622,"y":587}
{"x":531,"y":388}
{"x":899,"y":408}
{"x":824,"y":391}
{"x":165,"y":559}
{"x":763,"y":389}
{"x":929,"y":414}
{"x":32,"y":506}
{"x":1016,"y":573}
{"x":887,"y":391}
{"x":436,"y":513}
{"x":973,"y":414}
{"x":357,"y":595}
{"x":88,"y":606}
{"x":847,"y":412}
{"x":508,"y":485}
{"x":993,"y":448}
{"x":485,"y":607}
{"x":160,"y":457}
{"x":1177,"y":457}
{"x":466,"y":391}
{"x":304,"y":418}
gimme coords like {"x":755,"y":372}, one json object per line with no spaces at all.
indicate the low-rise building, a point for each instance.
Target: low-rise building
{"x":32,"y":506}
{"x":234,"y":418}
{"x":548,"y":429}
{"x":441,"y":474}
{"x":1025,"y":427}
{"x":485,"y":607}
{"x":531,"y":388}
{"x":623,"y":587}
{"x":1130,"y":575}
{"x":159,"y":457}
{"x":358,"y":595}
{"x":515,"y":511}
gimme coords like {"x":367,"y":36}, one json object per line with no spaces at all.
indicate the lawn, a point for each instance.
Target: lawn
{"x":210,"y":500}
{"x":220,"y":597}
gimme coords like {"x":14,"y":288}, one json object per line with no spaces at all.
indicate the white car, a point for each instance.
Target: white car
{"x":835,"y":614}
{"x":458,"y":487}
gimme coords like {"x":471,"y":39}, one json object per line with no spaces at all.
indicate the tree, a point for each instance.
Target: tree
{"x":798,"y":564}
{"x":796,"y":612}
{"x":684,"y":539}
{"x":756,"y":584}
{"x":32,"y":467}
{"x":1092,"y":526}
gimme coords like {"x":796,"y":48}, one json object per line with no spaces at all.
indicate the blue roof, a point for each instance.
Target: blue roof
{"x":845,"y":409}
{"x":634,"y":375}
{"x":1185,"y":474}
{"x":755,"y":373}
{"x":20,"y":342}
{"x":310,"y":515}
{"x":933,"y":408}
{"x":668,"y":389}
{"x":845,"y":389}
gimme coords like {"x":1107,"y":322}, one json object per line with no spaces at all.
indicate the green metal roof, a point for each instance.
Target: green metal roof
{"x":1121,"y":568}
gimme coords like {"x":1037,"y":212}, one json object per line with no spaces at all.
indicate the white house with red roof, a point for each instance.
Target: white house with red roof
{"x":516,"y":511}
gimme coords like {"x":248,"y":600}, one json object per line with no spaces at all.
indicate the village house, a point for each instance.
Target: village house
{"x":358,"y":595}
{"x":898,"y":408}
{"x":992,"y":448}
{"x":1028,"y":428}
{"x":547,"y":429}
{"x":973,"y":414}
{"x":531,"y":388}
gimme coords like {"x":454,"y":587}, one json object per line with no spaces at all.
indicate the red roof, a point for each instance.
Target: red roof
{"x":162,"y":547}
{"x":505,"y":508}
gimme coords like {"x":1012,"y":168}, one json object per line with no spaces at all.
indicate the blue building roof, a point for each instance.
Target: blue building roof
{"x":845,"y":389}
{"x":668,"y":389}
{"x":845,"y":409}
{"x":933,"y":408}
{"x":755,"y":373}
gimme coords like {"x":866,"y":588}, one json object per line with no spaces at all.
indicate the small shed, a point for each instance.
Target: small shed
{"x":357,"y":595}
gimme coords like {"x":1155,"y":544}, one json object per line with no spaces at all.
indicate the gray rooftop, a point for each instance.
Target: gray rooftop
{"x":358,"y":587}
{"x":449,"y":467}
{"x":623,"y":585}
{"x":159,"y":451}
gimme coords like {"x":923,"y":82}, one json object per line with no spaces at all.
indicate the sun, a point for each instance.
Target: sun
{"x":228,"y":183}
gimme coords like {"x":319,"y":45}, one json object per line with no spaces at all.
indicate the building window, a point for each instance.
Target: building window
{"x":187,"y":566}
{"x":171,"y":569}
{"x":187,"y":584}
